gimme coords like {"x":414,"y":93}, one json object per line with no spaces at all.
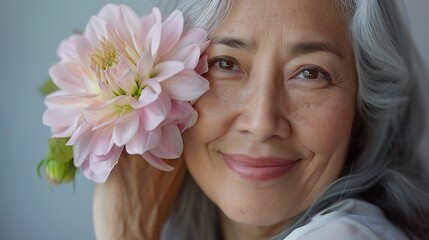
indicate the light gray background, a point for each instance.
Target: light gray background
{"x":30,"y":32}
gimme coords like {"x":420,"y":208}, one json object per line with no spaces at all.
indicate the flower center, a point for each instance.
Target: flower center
{"x":104,"y":57}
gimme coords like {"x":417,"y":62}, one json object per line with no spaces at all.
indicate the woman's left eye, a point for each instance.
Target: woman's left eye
{"x":313,"y":73}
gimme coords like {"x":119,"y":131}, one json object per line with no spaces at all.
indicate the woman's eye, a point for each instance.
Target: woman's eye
{"x":224,"y":68}
{"x":224,"y":63}
{"x":314,"y":73}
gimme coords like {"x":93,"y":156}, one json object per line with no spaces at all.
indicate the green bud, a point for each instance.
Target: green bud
{"x":58,"y":150}
{"x":58,"y":172}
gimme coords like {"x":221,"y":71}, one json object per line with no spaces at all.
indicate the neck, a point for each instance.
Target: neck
{"x":236,"y":231}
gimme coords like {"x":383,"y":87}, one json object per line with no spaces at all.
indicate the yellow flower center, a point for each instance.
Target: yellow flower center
{"x":104,"y":57}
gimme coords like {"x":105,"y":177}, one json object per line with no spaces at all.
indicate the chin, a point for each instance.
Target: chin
{"x":250,"y":211}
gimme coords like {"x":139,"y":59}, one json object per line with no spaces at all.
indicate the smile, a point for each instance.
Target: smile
{"x":259,"y":169}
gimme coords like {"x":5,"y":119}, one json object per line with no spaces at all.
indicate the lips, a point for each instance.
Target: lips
{"x":260,"y":169}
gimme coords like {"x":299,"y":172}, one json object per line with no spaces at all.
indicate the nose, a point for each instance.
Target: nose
{"x":263,"y":112}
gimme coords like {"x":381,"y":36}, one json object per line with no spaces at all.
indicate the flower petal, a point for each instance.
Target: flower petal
{"x":157,"y":162}
{"x":202,"y":66}
{"x":171,"y":145}
{"x":102,"y":141}
{"x":189,"y":55}
{"x":192,"y":36}
{"x":153,"y":39}
{"x":145,"y":65}
{"x":149,"y":20}
{"x":144,"y":141}
{"x":99,"y":170}
{"x":148,"y":95}
{"x":185,"y":86}
{"x":171,"y":31}
{"x":81,"y":145}
{"x":67,"y":50}
{"x":153,"y":114}
{"x":125,"y":128}
{"x":182,"y":114}
{"x":165,"y":70}
{"x":95,"y":31}
{"x":127,"y":82}
{"x":68,"y":76}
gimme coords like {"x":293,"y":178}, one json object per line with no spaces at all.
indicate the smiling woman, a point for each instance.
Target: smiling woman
{"x":309,"y":131}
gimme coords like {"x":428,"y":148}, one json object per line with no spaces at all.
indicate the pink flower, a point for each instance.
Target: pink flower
{"x":126,"y":83}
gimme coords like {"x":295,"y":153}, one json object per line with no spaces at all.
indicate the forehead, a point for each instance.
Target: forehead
{"x":287,"y":21}
{"x":304,"y":12}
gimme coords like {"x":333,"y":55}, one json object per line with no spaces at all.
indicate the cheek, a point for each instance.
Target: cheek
{"x":214,"y":118}
{"x":324,"y":122}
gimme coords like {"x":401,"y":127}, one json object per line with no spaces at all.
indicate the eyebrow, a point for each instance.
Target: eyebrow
{"x":234,"y":43}
{"x":311,"y":47}
{"x":296,"y":49}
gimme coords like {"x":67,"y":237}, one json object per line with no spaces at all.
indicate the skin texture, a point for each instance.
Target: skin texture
{"x":282,"y":84}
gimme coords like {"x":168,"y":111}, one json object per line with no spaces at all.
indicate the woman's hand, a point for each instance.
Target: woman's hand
{"x":136,"y":199}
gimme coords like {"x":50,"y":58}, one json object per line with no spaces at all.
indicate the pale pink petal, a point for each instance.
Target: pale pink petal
{"x":62,"y":115}
{"x":95,"y":31}
{"x":100,"y":169}
{"x":149,"y":20}
{"x":130,"y":24}
{"x":81,"y":145}
{"x":127,"y":81}
{"x":67,"y":50}
{"x":125,"y":128}
{"x":171,"y":145}
{"x":148,"y":95}
{"x":189,"y":123}
{"x":192,"y":36}
{"x":145,"y":65}
{"x":153,"y":114}
{"x":157,"y":162}
{"x":111,"y":14}
{"x":100,"y":115}
{"x":180,"y":111}
{"x":103,"y":141}
{"x":153,"y":39}
{"x":186,"y":86}
{"x":182,"y":114}
{"x":144,"y":141}
{"x":189,"y":55}
{"x":62,"y":97}
{"x":165,"y":70}
{"x":68,"y":76}
{"x":202,"y":66}
{"x":67,"y":130}
{"x":76,"y":134}
{"x":172,"y":28}
{"x":86,"y":169}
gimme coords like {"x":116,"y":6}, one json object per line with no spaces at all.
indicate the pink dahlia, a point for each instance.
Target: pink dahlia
{"x":126,"y":83}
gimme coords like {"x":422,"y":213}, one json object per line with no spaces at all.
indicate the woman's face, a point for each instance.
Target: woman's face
{"x":274,"y":128}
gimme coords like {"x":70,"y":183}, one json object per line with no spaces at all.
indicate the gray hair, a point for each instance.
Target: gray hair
{"x":383,"y":165}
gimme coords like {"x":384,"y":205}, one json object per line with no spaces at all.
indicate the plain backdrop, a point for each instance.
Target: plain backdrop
{"x":30,"y":32}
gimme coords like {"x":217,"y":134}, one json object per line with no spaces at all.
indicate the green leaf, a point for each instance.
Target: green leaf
{"x":48,"y":87}
{"x":58,"y":150}
{"x":39,"y":166}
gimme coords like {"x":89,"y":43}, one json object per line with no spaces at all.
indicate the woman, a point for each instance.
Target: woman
{"x":309,"y":131}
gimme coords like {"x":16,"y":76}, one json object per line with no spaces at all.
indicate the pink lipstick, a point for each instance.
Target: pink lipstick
{"x":260,"y":169}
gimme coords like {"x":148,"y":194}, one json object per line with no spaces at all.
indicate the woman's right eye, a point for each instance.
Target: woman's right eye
{"x":224,"y":65}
